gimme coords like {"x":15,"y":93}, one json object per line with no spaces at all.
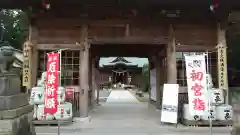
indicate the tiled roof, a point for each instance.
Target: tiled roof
{"x":132,"y":61}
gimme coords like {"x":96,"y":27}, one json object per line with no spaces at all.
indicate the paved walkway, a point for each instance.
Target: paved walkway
{"x":116,"y":117}
{"x":121,"y":96}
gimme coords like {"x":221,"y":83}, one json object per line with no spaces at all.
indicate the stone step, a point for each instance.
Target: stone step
{"x":10,"y":114}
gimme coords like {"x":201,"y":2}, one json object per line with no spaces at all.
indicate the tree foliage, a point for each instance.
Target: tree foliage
{"x":14,"y":27}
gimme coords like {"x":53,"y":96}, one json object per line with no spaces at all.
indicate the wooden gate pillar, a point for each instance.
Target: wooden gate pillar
{"x":158,"y":83}
{"x":151,"y":65}
{"x":160,"y":78}
{"x":171,"y":58}
{"x":84,"y":73}
{"x":93,"y":81}
{"x":90,"y":103}
{"x":98,"y":79}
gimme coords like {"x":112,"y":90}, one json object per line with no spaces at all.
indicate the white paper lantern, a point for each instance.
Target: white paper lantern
{"x":217,"y":96}
{"x":224,"y":112}
{"x":187,"y":115}
{"x":41,"y":115}
{"x":37,"y":95}
{"x":210,"y":113}
{"x":64,"y":111}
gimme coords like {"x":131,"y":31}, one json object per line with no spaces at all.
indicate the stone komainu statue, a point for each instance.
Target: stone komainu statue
{"x":6,"y":57}
{"x":42,"y":81}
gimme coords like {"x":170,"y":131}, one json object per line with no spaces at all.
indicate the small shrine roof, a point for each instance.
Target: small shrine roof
{"x":129,"y":61}
{"x":119,"y":60}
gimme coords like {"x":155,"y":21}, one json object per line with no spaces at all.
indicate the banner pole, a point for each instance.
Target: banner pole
{"x":60,"y":80}
{"x":209,"y":98}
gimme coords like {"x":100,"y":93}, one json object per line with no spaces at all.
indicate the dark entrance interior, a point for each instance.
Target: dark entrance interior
{"x":119,"y":78}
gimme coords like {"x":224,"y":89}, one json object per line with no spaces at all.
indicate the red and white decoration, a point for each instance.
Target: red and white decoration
{"x":45,"y":4}
{"x":196,"y":82}
{"x":214,"y":5}
{"x":51,"y":99}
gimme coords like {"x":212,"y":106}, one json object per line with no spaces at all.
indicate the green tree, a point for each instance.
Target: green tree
{"x":14,"y":27}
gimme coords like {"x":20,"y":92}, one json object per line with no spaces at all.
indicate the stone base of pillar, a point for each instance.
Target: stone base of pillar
{"x":236,"y":119}
{"x":86,"y":119}
{"x":16,"y":114}
{"x":235,"y":131}
{"x":17,"y":121}
{"x":93,"y":105}
{"x":158,"y":106}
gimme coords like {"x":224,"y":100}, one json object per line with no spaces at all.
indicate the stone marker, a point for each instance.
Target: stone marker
{"x":15,"y":113}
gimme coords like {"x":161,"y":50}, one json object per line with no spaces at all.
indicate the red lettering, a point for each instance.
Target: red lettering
{"x":197,"y":89}
{"x":196,"y":75}
{"x":198,"y":104}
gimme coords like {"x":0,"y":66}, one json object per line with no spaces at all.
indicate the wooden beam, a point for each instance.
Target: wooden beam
{"x":57,"y":46}
{"x":76,"y":22}
{"x":129,"y":40}
{"x":194,"y":48}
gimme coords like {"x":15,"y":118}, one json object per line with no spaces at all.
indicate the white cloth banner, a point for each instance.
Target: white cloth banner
{"x":170,"y":103}
{"x":196,"y":82}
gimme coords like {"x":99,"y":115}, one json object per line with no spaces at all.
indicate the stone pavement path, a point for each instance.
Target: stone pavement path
{"x":160,"y":133}
{"x":127,"y":118}
{"x":119,"y":96}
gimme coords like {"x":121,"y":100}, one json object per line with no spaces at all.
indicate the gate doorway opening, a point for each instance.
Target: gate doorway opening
{"x":122,"y":77}
{"x":123,"y":72}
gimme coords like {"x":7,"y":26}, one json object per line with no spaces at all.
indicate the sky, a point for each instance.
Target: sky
{"x":134,"y":61}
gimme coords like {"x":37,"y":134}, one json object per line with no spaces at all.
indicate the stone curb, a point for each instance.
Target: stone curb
{"x":10,"y":114}
{"x":132,"y":130}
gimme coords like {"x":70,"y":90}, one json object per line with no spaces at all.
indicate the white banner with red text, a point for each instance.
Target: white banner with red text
{"x":50,"y":101}
{"x":196,"y":83}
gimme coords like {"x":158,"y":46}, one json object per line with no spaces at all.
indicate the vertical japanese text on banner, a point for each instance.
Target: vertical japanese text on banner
{"x":196,"y":80}
{"x":50,"y":101}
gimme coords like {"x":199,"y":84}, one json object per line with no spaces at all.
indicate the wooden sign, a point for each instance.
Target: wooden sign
{"x":222,"y":67}
{"x":26,"y":81}
{"x":170,"y":105}
{"x":69,"y":93}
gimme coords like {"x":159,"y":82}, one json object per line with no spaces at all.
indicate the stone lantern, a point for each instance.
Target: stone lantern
{"x":15,"y":112}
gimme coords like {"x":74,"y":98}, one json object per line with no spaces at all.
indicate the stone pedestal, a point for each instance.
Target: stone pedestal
{"x":15,"y":113}
{"x":9,"y":84}
{"x":236,"y":119}
{"x":14,"y":101}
